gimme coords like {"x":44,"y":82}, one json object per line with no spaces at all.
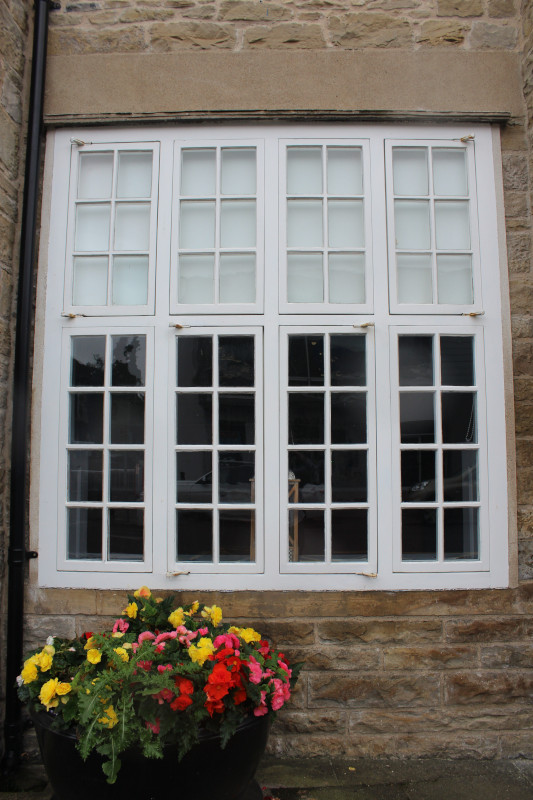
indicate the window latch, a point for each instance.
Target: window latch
{"x":363,"y":325}
{"x":473,"y":314}
{"x":79,"y":142}
{"x":70,"y":315}
{"x":175,"y":574}
{"x":177,"y":325}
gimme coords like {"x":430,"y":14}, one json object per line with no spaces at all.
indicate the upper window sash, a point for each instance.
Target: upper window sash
{"x":432,"y":215}
{"x":112,"y":229}
{"x":217,"y":259}
{"x":325,"y":246}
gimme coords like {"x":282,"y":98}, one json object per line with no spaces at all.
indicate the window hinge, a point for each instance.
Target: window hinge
{"x":175,"y":574}
{"x":177,"y":325}
{"x":473,"y":314}
{"x":363,"y":325}
{"x":70,"y":315}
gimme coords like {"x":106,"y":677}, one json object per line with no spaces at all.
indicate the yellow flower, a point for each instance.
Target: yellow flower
{"x":45,"y":661}
{"x":117,"y":635}
{"x":158,"y":599}
{"x":90,"y":643}
{"x":131,"y":610}
{"x":144,"y":591}
{"x":246,"y":634}
{"x":122,"y":653}
{"x":177,"y":617}
{"x":110,"y":718}
{"x":194,"y":608}
{"x":214,"y":613}
{"x":201,"y":652}
{"x":48,"y":693}
{"x":50,"y":649}
{"x":29,"y":672}
{"x":63,"y":688}
{"x":127,"y":645}
{"x":94,"y":656}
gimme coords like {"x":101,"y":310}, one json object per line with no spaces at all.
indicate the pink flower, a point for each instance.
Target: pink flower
{"x":256,"y":673}
{"x":146,"y":665}
{"x":154,"y":727}
{"x":203,"y":631}
{"x":284,"y":667}
{"x":145,"y":635}
{"x":281,"y":693}
{"x":227,"y":640}
{"x":261,"y":709}
{"x":164,"y":668}
{"x":164,"y":636}
{"x":164,"y":694}
{"x":121,"y":625}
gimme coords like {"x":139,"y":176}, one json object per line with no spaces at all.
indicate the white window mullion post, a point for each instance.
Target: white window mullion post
{"x":439,"y":477}
{"x":216,"y":454}
{"x":327,"y":449}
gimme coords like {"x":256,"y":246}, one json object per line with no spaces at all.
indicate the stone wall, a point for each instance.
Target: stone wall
{"x":13,"y":42}
{"x":387,"y":674}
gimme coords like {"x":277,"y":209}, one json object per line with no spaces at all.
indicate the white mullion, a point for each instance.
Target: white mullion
{"x":218,"y":212}
{"x":439,"y":466}
{"x":111,"y":250}
{"x":325,"y":227}
{"x":105,"y":446}
{"x":433,"y":227}
{"x":216,"y":450}
{"x":327,"y":448}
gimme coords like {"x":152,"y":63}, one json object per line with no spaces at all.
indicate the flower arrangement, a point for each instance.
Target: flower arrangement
{"x":158,"y":677}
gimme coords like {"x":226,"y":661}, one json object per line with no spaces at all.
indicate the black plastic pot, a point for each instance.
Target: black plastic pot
{"x":206,"y":773}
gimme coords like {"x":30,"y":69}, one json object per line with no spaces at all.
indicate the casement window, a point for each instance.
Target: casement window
{"x":272,"y":358}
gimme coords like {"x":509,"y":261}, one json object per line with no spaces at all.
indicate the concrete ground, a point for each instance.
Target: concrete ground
{"x":357,"y":779}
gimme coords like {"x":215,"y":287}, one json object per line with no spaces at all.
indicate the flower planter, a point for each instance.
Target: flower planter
{"x":205,"y":773}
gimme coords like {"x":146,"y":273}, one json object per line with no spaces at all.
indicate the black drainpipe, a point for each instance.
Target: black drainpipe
{"x":17,"y":553}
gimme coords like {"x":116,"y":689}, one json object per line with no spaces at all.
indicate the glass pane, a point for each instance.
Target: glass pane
{"x":460,"y":475}
{"x":306,"y":418}
{"x":304,"y":223}
{"x":454,"y":279}
{"x":237,"y":535}
{"x":417,"y":417}
{"x":129,"y":361}
{"x":306,"y":360}
{"x":126,"y":534}
{"x":412,"y":224}
{"x":348,"y":418}
{"x":346,"y":277}
{"x":449,"y":172}
{"x":348,"y":476}
{"x":304,"y":170}
{"x":194,"y":418}
{"x":85,"y":533}
{"x":130,"y":280}
{"x":85,"y":475}
{"x":306,"y":476}
{"x":461,"y":533}
{"x":452,"y":225}
{"x":236,"y":418}
{"x":194,"y":482}
{"x":410,"y":170}
{"x":236,"y":477}
{"x":345,"y":171}
{"x":305,"y":278}
{"x":415,"y":278}
{"x":197,"y":225}
{"x":132,"y":226}
{"x":418,"y":476}
{"x":134,"y":174}
{"x":195,"y":361}
{"x":92,"y":227}
{"x":237,"y":223}
{"x":415,"y":355}
{"x":457,"y":360}
{"x":236,"y":360}
{"x":238,"y":170}
{"x":196,"y":279}
{"x":88,"y":361}
{"x":237,"y":278}
{"x":194,"y":540}
{"x":198,"y":172}
{"x":96,"y":176}
{"x":459,"y":425}
{"x":348,"y":360}
{"x":345,"y":223}
{"x":126,"y":476}
{"x":86,"y":418}
{"x":349,"y":536}
{"x":127,"y":418}
{"x":306,"y":535}
{"x":419,"y":534}
{"x":89,"y":286}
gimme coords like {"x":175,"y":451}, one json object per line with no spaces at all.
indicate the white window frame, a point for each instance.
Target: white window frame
{"x":56,"y":320}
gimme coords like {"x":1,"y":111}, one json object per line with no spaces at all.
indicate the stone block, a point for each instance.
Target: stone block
{"x":9,"y":143}
{"x":516,"y":205}
{"x":513,"y":136}
{"x":145,"y":14}
{"x":488,"y":687}
{"x":518,"y":656}
{"x":306,"y":746}
{"x":486,"y":35}
{"x":369,"y":691}
{"x":357,"y":30}
{"x":516,"y":745}
{"x":525,"y":559}
{"x":371,"y":631}
{"x":438,"y":33}
{"x":253,"y":11}
{"x":7,"y":235}
{"x":203,"y":12}
{"x":285,"y":35}
{"x":522,"y":328}
{"x":103,"y":19}
{"x":521,"y":295}
{"x":458,"y":718}
{"x":524,"y":486}
{"x":38,"y":628}
{"x":525,"y":522}
{"x":11,"y":99}
{"x":12,"y":41}
{"x":94,"y":624}
{"x":421,"y":657}
{"x":295,"y":722}
{"x":523,"y":358}
{"x":459,"y":8}
{"x":524,"y":448}
{"x":331,"y":657}
{"x":503,"y":629}
{"x":502,"y":8}
{"x":60,"y":601}
{"x":286,"y":633}
{"x":519,"y":252}
{"x":118,"y":40}
{"x":171,"y":36}
{"x":515,"y":172}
